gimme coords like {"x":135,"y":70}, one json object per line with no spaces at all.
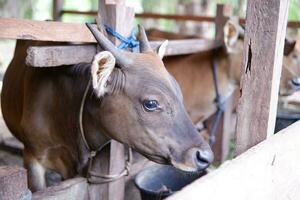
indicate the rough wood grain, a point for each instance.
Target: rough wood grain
{"x":114,"y":159}
{"x":49,"y":56}
{"x":263,"y":51}
{"x":58,"y":6}
{"x":72,"y":189}
{"x":13,"y":182}
{"x":220,"y":21}
{"x":270,"y":170}
{"x":197,"y":18}
{"x":44,"y":31}
{"x":114,"y":16}
{"x":59,"y":55}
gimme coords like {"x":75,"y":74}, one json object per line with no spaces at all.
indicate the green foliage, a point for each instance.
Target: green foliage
{"x":294,"y":10}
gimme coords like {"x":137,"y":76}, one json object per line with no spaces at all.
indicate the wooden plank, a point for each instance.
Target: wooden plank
{"x":59,"y":55}
{"x":50,"y":56}
{"x":197,"y":18}
{"x":13,"y":182}
{"x":58,"y":6}
{"x":220,"y":21}
{"x":270,"y":170}
{"x":12,"y":145}
{"x":114,"y":16}
{"x":263,"y":54}
{"x":44,"y":31}
{"x":71,"y":189}
{"x":114,"y":158}
{"x":53,"y":31}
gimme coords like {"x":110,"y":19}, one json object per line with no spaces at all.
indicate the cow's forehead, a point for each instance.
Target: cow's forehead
{"x":149,"y":68}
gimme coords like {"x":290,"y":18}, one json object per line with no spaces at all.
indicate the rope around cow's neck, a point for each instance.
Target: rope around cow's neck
{"x":105,"y":177}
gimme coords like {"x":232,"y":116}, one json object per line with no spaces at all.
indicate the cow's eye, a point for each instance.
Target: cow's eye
{"x":150,"y":105}
{"x":296,"y":81}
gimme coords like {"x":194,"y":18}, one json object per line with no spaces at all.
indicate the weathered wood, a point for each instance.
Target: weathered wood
{"x":59,"y":55}
{"x":197,"y":18}
{"x":119,"y":2}
{"x":44,"y":31}
{"x":263,"y":51}
{"x":220,"y":21}
{"x":12,"y":145}
{"x":224,"y":129}
{"x":72,"y":189}
{"x":13,"y":182}
{"x":114,"y":16}
{"x":49,"y":56}
{"x":57,"y":8}
{"x":270,"y":170}
{"x":114,"y":159}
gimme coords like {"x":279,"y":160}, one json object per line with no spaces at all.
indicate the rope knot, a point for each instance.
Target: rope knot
{"x":93,"y":154}
{"x":130,"y":42}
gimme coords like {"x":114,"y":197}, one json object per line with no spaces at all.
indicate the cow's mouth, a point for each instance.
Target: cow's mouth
{"x":155,"y":158}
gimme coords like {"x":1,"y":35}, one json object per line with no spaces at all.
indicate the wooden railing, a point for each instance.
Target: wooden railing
{"x":147,"y":15}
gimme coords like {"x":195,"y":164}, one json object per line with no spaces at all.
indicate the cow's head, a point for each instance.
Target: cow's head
{"x":290,"y":76}
{"x":142,"y":106}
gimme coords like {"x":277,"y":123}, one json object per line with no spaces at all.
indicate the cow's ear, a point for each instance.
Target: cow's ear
{"x":289,"y":46}
{"x":231,"y":35}
{"x":101,"y":69}
{"x":161,"y":49}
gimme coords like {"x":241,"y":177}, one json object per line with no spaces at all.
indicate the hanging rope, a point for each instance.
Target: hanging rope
{"x":130,"y":42}
{"x":218,"y":100}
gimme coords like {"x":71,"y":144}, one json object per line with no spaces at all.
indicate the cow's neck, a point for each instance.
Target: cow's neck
{"x":235,"y":63}
{"x":93,"y":131}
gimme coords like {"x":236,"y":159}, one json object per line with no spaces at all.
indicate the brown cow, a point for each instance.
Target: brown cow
{"x":134,"y":101}
{"x":194,"y":72}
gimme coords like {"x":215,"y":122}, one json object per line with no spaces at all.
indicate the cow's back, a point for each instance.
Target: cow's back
{"x":12,"y":90}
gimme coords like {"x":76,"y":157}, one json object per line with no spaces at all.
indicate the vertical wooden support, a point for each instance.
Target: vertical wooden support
{"x":221,"y":17}
{"x":121,"y":19}
{"x":266,"y":23}
{"x":57,"y":8}
{"x":224,"y":129}
{"x":13,"y":182}
{"x":221,"y":146}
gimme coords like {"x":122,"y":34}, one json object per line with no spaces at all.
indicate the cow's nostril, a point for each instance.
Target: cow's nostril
{"x":203,"y":159}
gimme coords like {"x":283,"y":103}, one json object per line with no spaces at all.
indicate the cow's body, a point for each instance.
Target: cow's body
{"x":39,"y":102}
{"x":194,"y":73}
{"x":195,"y":77}
{"x":130,"y":98}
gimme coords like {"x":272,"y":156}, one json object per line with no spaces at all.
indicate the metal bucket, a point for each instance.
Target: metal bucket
{"x":285,"y":119}
{"x":160,"y":181}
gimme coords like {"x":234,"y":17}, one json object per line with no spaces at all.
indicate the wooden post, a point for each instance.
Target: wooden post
{"x":266,"y":23}
{"x":13,"y":182}
{"x":221,"y":17}
{"x":120,"y":18}
{"x":56,"y":9}
{"x":221,"y":146}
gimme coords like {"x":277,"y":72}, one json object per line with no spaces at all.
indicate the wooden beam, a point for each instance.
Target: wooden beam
{"x":197,"y":18}
{"x":114,"y":16}
{"x":114,"y":158}
{"x":71,"y":189}
{"x":220,"y":21}
{"x":53,"y":31}
{"x":58,"y":6}
{"x":44,"y":31}
{"x":50,"y":56}
{"x":263,"y":53}
{"x":270,"y":170}
{"x":13,"y":182}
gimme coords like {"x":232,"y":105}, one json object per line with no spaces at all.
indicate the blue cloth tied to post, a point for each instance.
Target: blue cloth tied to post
{"x":130,"y":42}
